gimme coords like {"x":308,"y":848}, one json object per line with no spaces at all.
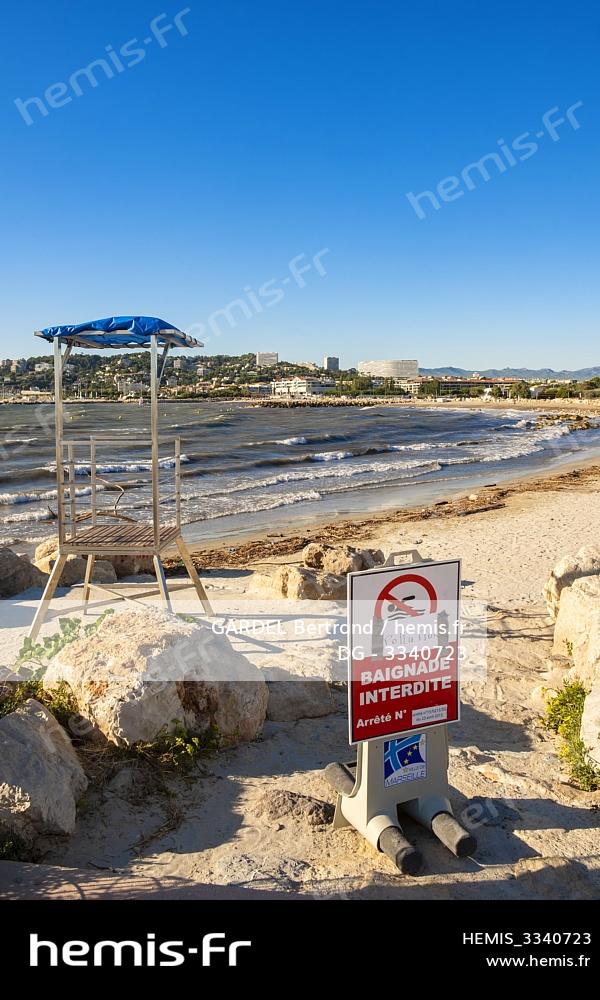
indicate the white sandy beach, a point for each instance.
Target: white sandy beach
{"x":534,"y":822}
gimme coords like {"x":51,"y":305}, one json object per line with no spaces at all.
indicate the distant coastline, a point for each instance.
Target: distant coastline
{"x":571,"y":406}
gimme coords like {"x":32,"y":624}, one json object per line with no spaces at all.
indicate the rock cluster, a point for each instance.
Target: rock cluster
{"x":574,"y":421}
{"x":105,"y":570}
{"x":322,"y":575}
{"x":18,"y":574}
{"x":573,"y":597}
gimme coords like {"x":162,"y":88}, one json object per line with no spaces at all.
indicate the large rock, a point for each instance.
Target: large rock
{"x":18,"y":574}
{"x":302,"y":585}
{"x":590,"y":722}
{"x":41,"y":778}
{"x":341,"y":560}
{"x":145,"y":670}
{"x":46,"y":548}
{"x":335,"y":588}
{"x":279,"y":803}
{"x":577,"y":629}
{"x":322,"y":577}
{"x":313,"y":554}
{"x":372,"y":558}
{"x":585,"y":562}
{"x":74,"y":570}
{"x":294,"y":582}
{"x":131,"y":565}
{"x":105,"y":570}
{"x":292,"y":698}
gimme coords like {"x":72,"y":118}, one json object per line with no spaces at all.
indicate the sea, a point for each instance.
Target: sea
{"x":247,"y":469}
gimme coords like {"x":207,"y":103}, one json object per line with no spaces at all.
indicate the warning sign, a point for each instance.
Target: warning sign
{"x":403,"y":627}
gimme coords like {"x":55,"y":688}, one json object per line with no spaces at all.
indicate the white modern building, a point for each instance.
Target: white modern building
{"x":331,"y":364}
{"x":127,"y":387}
{"x":257,"y":388}
{"x":264,"y":359}
{"x":410,"y":385}
{"x":389,"y":369}
{"x":290,"y":388}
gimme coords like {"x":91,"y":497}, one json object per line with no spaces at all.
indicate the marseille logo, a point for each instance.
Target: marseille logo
{"x":405,"y":759}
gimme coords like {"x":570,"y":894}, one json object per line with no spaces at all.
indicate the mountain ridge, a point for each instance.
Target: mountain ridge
{"x":526,"y":374}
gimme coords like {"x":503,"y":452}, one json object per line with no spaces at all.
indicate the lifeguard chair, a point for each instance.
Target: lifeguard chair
{"x":82,"y":521}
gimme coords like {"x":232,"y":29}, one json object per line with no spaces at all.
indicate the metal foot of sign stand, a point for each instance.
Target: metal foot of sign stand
{"x":373,"y":805}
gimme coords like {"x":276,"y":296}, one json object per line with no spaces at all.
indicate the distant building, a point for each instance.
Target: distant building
{"x":331,"y":364}
{"x":127,"y":387}
{"x":389,"y":369}
{"x":178,"y":364}
{"x":18,"y":367}
{"x":265,"y":359}
{"x":42,"y":366}
{"x":36,"y":395}
{"x":410,"y":385}
{"x":290,"y":388}
{"x":257,"y":388}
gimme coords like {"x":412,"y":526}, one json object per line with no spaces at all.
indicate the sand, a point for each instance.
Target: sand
{"x":538,"y":835}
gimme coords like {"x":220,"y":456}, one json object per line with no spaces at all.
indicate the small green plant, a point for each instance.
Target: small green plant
{"x":70,"y":629}
{"x":569,"y":647}
{"x":12,"y":848}
{"x":177,"y":749}
{"x":563,"y":717}
{"x":59,"y":701}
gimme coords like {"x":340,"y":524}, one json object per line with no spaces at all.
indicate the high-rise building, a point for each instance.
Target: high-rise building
{"x":264,"y":359}
{"x":331,"y":364}
{"x":389,"y":369}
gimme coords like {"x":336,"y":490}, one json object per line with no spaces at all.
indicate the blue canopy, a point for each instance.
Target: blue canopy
{"x":120,"y":331}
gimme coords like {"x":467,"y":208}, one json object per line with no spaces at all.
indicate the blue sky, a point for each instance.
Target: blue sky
{"x":252,"y":133}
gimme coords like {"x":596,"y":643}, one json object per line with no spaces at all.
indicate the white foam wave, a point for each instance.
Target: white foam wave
{"x":11,"y":499}
{"x":84,"y":469}
{"x":331,"y":456}
{"x":33,"y":515}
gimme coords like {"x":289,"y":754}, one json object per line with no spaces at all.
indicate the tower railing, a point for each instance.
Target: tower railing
{"x":90,"y":473}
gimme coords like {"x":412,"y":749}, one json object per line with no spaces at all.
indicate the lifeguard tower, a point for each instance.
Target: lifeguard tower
{"x":84,"y":522}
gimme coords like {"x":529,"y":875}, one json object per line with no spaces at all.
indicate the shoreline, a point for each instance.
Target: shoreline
{"x":570,"y":406}
{"x":262,"y":544}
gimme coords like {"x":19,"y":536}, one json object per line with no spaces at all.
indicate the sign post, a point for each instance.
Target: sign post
{"x":403,"y":691}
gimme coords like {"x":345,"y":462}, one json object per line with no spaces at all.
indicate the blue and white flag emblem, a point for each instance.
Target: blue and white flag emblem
{"x":405,"y":759}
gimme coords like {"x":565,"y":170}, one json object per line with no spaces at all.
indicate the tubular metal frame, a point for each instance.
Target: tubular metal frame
{"x":130,"y":539}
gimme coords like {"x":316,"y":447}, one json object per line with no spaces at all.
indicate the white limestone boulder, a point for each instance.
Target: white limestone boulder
{"x":145,"y":670}
{"x":105,"y":570}
{"x":590,"y":722}
{"x":585,"y":562}
{"x":577,"y":629}
{"x":18,"y":574}
{"x":41,"y":778}
{"x":75,"y":567}
{"x":294,"y":697}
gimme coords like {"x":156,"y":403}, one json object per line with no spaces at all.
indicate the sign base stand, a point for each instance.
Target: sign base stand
{"x":373,"y":807}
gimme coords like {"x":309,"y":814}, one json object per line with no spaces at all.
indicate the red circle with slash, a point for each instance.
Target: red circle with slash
{"x":386,"y":595}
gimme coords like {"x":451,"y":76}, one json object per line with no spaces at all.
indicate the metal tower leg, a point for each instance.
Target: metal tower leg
{"x":47,"y":596}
